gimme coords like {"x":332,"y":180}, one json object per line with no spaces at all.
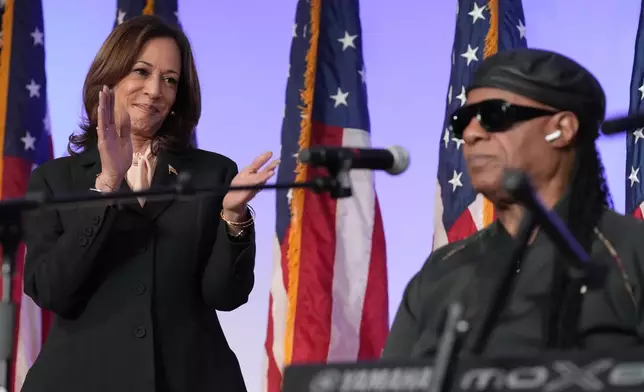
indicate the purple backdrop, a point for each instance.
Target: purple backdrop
{"x":242,"y":51}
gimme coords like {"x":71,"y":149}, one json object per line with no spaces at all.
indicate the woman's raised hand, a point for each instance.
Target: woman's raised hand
{"x":114,"y":143}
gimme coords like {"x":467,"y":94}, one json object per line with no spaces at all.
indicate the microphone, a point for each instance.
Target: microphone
{"x":517,"y":184}
{"x":621,"y":124}
{"x":394,"y":160}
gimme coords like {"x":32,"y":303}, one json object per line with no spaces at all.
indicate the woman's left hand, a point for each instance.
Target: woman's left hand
{"x":234,"y":204}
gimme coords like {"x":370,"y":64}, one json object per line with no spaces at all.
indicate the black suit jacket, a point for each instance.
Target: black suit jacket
{"x":135,"y":289}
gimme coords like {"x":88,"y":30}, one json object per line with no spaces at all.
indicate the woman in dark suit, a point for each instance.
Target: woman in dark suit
{"x":135,"y":288}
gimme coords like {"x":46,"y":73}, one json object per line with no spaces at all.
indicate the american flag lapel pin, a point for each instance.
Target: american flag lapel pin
{"x":172,"y":170}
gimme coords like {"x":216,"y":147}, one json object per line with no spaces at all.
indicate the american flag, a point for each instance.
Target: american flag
{"x":25,"y":142}
{"x":635,"y":139}
{"x":168,"y":10}
{"x":328,"y":298}
{"x":482,"y":29}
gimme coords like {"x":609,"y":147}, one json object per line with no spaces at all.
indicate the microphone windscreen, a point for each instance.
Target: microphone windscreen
{"x":304,"y":156}
{"x":401,"y":159}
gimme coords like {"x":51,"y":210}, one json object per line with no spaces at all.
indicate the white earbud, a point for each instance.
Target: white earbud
{"x":553,"y":136}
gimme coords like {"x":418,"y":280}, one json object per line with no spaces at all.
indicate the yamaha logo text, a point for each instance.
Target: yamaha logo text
{"x":560,"y":376}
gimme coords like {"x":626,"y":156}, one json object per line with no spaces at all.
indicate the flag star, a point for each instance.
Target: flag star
{"x":120,"y":18}
{"x":347,"y":41}
{"x":639,"y":134}
{"x":446,"y":137}
{"x":457,"y":7}
{"x":340,"y":98}
{"x":34,"y":89}
{"x":470,"y":54}
{"x":633,"y":177}
{"x":453,"y":57}
{"x":521,"y":27}
{"x":456,"y":180}
{"x":641,"y":89}
{"x":458,"y":142}
{"x":462,"y":96}
{"x":449,"y":95}
{"x":295,"y":30}
{"x":29,"y":141}
{"x":363,"y":74}
{"x":38,"y":37}
{"x":304,"y":31}
{"x":477,"y":13}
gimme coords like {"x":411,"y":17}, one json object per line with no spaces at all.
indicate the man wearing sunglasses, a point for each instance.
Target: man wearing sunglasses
{"x":539,"y":112}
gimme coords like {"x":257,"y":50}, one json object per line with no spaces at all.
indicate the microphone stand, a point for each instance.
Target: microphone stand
{"x":580,"y":269}
{"x":10,"y":238}
{"x":338,"y":184}
{"x":449,"y":346}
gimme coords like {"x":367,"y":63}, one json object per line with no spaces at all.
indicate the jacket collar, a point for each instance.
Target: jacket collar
{"x":168,"y":167}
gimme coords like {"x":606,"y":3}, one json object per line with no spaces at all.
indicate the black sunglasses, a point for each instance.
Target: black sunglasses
{"x":494,"y":115}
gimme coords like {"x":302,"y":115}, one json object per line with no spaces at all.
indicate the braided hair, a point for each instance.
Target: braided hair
{"x":589,"y":193}
{"x":589,"y":197}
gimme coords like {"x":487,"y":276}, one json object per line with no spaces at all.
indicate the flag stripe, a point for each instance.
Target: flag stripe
{"x":329,"y":288}
{"x":353,"y":232}
{"x":376,"y":293}
{"x":277,"y":311}
{"x":312,"y":327}
{"x":29,"y":327}
{"x":639,"y":212}
{"x":278,"y":306}
{"x":277,"y":317}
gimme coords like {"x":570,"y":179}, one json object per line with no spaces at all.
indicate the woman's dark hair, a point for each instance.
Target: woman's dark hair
{"x":115,"y":60}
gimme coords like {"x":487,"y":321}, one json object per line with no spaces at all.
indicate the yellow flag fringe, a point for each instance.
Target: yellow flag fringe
{"x":491,"y":48}
{"x":297,"y":201}
{"x":149,"y":7}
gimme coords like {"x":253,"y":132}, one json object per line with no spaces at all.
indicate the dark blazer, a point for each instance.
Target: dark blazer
{"x":135,"y":289}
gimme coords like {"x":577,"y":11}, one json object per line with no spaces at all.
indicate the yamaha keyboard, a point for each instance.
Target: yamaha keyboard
{"x":581,"y":371}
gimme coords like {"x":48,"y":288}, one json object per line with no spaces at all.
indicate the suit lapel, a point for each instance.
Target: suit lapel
{"x":168,"y":167}
{"x":90,"y":166}
{"x":166,"y":173}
